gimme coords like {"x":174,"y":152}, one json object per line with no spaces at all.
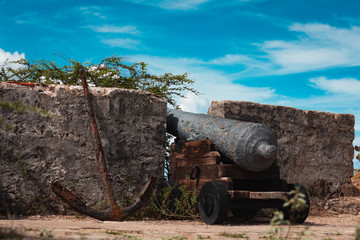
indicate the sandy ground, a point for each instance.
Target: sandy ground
{"x":66,"y":227}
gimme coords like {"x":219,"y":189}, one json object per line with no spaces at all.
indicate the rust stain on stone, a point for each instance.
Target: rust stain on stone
{"x":23,"y":83}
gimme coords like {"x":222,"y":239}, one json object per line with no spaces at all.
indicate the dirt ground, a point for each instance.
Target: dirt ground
{"x":324,"y":226}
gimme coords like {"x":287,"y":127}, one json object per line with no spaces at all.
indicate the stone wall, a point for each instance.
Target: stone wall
{"x":314,"y":148}
{"x":45,"y":136}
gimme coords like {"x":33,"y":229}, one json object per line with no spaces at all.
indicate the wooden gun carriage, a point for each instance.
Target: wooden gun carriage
{"x":225,"y":185}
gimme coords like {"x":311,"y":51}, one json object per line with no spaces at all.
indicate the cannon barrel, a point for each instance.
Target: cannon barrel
{"x":252,"y":146}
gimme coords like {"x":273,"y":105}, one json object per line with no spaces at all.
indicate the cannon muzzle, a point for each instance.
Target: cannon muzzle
{"x":252,"y":146}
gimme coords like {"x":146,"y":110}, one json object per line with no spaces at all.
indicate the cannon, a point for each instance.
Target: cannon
{"x":231,"y":164}
{"x":252,"y":146}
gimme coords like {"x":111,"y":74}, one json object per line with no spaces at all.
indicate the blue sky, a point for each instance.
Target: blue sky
{"x":299,"y":53}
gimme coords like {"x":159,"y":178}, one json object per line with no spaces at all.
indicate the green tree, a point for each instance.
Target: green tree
{"x":109,"y":72}
{"x":357,"y":148}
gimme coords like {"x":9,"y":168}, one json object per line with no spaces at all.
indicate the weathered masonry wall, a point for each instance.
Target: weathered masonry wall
{"x":45,"y":136}
{"x":314,"y":148}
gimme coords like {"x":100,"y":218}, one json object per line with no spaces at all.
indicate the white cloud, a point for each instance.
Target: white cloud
{"x":7,"y":56}
{"x":115,"y":29}
{"x":10,"y":56}
{"x":122,"y":42}
{"x":225,"y":90}
{"x":341,"y":95}
{"x":92,"y":11}
{"x":231,"y":59}
{"x":348,"y":86}
{"x":160,"y":65}
{"x":193,"y":103}
{"x":328,"y":35}
{"x":191,"y":4}
{"x":299,"y":58}
{"x":181,"y":4}
{"x":213,"y":85}
{"x":173,"y":4}
{"x":319,"y":46}
{"x":316,"y":47}
{"x":27,"y":18}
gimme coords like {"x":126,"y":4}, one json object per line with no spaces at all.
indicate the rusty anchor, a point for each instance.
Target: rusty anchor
{"x":115,"y":213}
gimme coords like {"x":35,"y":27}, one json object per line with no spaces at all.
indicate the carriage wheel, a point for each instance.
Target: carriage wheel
{"x":213,"y":203}
{"x":300,"y":215}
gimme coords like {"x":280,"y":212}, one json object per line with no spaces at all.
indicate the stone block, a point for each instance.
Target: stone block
{"x":45,"y":137}
{"x":314,"y":148}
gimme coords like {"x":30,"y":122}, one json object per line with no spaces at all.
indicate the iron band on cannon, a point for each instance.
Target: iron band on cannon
{"x":232,"y":163}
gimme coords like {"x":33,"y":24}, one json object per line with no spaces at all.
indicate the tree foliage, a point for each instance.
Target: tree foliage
{"x":357,"y":148}
{"x":110,"y":72}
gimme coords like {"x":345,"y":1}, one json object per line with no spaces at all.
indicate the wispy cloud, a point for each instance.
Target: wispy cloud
{"x":341,"y":94}
{"x":173,"y":4}
{"x":92,"y":11}
{"x":27,"y":18}
{"x":319,"y":46}
{"x":316,"y":47}
{"x":348,"y":86}
{"x":39,"y":20}
{"x":122,"y":42}
{"x":212,"y":84}
{"x":128,"y":29}
{"x":232,"y":59}
{"x":185,"y":5}
{"x":181,"y":4}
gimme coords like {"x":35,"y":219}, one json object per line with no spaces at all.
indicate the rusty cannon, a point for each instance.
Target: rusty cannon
{"x":252,"y":146}
{"x":232,"y":165}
